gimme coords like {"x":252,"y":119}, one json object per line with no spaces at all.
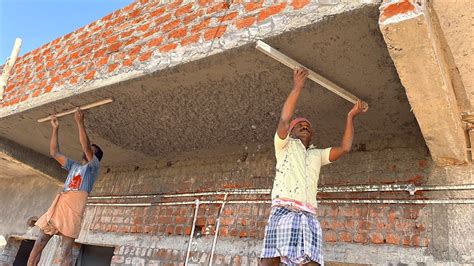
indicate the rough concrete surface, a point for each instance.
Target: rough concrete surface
{"x":461,"y":230}
{"x":456,"y":20}
{"x":28,"y":184}
{"x":235,"y":97}
{"x":23,"y":196}
{"x":19,"y":162}
{"x":416,"y":52}
{"x":452,"y":230}
{"x":349,"y":253}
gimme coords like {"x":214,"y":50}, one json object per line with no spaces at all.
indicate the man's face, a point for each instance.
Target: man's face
{"x":94,"y":149}
{"x":302,"y":131}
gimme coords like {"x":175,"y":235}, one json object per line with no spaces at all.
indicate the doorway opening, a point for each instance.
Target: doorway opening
{"x":95,"y":255}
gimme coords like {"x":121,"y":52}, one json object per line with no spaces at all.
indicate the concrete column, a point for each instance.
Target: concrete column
{"x":413,"y":43}
{"x":455,"y":20}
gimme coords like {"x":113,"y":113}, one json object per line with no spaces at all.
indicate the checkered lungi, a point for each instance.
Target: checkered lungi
{"x":294,"y":236}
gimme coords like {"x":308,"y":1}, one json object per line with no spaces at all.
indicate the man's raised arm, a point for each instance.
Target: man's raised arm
{"x":346,"y":143}
{"x":54,"y":144}
{"x":83,"y":138}
{"x":299,"y":77}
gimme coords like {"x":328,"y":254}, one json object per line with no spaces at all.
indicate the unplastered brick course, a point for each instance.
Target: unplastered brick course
{"x":390,"y":226}
{"x":129,"y":38}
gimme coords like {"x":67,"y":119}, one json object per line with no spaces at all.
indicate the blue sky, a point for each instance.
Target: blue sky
{"x":38,"y":22}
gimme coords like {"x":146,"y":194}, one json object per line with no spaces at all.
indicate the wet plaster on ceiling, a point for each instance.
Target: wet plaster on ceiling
{"x":234,"y":99}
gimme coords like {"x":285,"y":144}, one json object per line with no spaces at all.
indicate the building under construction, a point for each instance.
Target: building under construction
{"x":188,"y":134}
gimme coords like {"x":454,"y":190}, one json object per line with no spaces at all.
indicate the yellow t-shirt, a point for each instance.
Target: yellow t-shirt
{"x":297,"y":170}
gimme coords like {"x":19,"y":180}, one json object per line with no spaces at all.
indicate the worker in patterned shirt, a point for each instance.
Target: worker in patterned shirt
{"x":293,"y":235}
{"x":64,"y":217}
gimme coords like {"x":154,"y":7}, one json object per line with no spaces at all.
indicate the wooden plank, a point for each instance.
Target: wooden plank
{"x":9,"y":66}
{"x":287,"y":61}
{"x":83,"y":107}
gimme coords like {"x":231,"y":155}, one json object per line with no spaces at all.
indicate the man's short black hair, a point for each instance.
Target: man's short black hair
{"x":98,"y":153}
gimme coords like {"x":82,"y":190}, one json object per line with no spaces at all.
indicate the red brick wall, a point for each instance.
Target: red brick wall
{"x":375,"y":224}
{"x":128,"y":37}
{"x":365,"y":224}
{"x":236,"y":221}
{"x":402,"y":225}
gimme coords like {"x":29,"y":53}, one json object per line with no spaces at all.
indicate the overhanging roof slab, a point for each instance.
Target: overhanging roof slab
{"x":234,"y":98}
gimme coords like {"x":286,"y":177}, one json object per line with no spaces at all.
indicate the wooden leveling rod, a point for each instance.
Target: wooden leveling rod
{"x":83,"y":107}
{"x":287,"y":61}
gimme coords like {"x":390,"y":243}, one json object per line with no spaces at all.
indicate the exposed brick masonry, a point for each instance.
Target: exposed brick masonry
{"x":128,"y":37}
{"x":367,"y":224}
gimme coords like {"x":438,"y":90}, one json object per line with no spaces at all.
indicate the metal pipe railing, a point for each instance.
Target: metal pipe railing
{"x":325,"y":201}
{"x":411,"y":188}
{"x":192,"y":231}
{"x":216,"y":234}
{"x":195,"y":194}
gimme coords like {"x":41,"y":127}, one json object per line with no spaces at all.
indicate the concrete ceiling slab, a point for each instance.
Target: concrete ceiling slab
{"x":234,"y":98}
